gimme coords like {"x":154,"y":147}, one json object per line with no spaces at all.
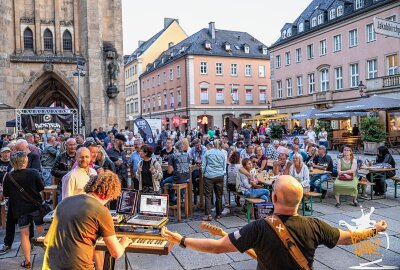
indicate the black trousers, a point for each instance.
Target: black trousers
{"x":216,"y":184}
{"x":10,"y":228}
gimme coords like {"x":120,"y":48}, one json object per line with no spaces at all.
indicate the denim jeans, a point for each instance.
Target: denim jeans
{"x":261,"y":193}
{"x":317,"y":180}
{"x":46,"y":176}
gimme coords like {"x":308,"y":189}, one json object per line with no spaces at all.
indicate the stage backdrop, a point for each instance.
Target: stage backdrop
{"x":35,"y":122}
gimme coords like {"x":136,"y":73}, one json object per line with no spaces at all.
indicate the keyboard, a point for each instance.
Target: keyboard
{"x":143,"y":217}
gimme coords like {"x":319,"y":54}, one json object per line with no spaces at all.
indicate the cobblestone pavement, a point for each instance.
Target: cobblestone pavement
{"x":387,"y":208}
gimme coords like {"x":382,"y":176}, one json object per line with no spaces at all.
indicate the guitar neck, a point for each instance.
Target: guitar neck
{"x":215,"y":230}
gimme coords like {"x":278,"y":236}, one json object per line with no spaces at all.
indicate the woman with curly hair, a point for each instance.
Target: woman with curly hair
{"x":78,"y":221}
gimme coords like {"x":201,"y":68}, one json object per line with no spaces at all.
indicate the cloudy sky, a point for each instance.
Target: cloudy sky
{"x":261,"y":18}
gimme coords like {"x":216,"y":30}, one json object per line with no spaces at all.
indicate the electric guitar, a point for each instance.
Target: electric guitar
{"x":215,"y":230}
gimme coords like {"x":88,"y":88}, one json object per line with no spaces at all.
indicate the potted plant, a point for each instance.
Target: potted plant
{"x":276,"y":131}
{"x":373,"y":135}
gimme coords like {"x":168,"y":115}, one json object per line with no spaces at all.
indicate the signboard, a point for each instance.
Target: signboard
{"x":262,"y":210}
{"x":145,"y":131}
{"x":153,"y":123}
{"x":387,"y":28}
{"x":269,"y":112}
{"x":35,"y":122}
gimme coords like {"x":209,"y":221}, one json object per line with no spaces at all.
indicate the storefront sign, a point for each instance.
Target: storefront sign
{"x":269,"y":112}
{"x":387,"y":28}
{"x":176,"y":121}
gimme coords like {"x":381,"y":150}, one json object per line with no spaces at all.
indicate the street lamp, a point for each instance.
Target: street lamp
{"x":269,"y":105}
{"x":80,"y":64}
{"x":362,"y":90}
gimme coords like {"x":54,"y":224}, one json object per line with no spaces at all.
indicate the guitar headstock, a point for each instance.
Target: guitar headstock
{"x":213,"y":229}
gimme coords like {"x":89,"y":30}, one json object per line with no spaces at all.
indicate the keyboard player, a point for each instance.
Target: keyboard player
{"x":78,"y":222}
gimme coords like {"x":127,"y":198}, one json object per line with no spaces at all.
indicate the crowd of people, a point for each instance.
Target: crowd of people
{"x":227,"y":162}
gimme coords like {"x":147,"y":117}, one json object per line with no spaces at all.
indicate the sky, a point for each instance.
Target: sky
{"x":263,"y":19}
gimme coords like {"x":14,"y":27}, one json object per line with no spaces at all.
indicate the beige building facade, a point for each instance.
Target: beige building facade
{"x":40,"y":45}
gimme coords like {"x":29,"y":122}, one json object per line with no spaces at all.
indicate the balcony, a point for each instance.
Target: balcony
{"x":383,"y":83}
{"x":390,"y":81}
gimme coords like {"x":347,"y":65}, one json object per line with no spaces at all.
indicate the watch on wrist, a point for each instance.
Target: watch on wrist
{"x":182,"y":242}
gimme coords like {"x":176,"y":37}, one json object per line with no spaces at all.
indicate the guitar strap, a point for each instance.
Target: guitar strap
{"x":280,"y":229}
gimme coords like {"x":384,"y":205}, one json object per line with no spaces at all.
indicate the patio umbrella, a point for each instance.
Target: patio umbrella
{"x":373,"y":103}
{"x":338,"y":115}
{"x":307,"y":114}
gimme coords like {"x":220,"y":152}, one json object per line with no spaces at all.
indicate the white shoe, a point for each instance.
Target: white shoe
{"x":225,"y":211}
{"x":213,"y":209}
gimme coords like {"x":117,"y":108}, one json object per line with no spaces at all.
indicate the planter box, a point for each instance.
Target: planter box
{"x":371,"y":148}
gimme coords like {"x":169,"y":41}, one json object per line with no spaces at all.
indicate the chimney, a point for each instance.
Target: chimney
{"x":140,"y":42}
{"x":168,"y":21}
{"x":211,"y":30}
{"x":170,"y":45}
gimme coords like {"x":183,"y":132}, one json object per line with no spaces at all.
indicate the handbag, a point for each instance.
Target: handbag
{"x":287,"y":240}
{"x":43,"y":207}
{"x":343,"y":178}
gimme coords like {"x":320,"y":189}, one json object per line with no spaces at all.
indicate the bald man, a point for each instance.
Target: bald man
{"x":308,"y":232}
{"x":74,"y":182}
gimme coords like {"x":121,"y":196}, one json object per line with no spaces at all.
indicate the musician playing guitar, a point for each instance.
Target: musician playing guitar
{"x":263,"y":235}
{"x":78,"y":222}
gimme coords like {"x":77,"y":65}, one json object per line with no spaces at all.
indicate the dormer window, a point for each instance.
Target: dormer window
{"x":301,"y":27}
{"x":162,"y":60}
{"x":339,"y":11}
{"x":314,"y":22}
{"x":265,"y":50}
{"x":289,"y":32}
{"x":320,"y":19}
{"x":332,"y":14}
{"x":207,"y":45}
{"x":228,"y":47}
{"x":171,"y":55}
{"x":246,"y":49}
{"x":284,"y":34}
{"x":358,"y":4}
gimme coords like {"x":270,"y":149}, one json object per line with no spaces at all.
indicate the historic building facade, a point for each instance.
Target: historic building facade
{"x":209,"y":76}
{"x":147,"y":51}
{"x":331,"y":52}
{"x":41,"y":43}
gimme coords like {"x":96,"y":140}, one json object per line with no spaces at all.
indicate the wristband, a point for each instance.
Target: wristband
{"x":182,"y":242}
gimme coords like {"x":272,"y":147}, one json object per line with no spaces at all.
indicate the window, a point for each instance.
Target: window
{"x":263,"y":94}
{"x":339,"y":11}
{"x":203,"y":68}
{"x":354,"y":76}
{"x":358,"y":4}
{"x":247,"y":70}
{"x":171,"y":74}
{"x":278,"y":61}
{"x":246,"y":49}
{"x":67,"y":41}
{"x":310,"y":51}
{"x":371,"y":35}
{"x":219,"y":69}
{"x":249,"y":94}
{"x":279,"y":89}
{"x":179,"y":92}
{"x":324,"y":80}
{"x":164,"y":77}
{"x":332,"y":14}
{"x":372,"y":68}
{"x":219,"y":95}
{"x":264,"y":50}
{"x":28,"y":39}
{"x":338,"y":78}
{"x":314,"y":22}
{"x":353,"y":38}
{"x":289,"y":88}
{"x":299,"y":80}
{"x":235,"y":93}
{"x":48,"y":40}
{"x":159,"y":101}
{"x":136,"y":106}
{"x":204,"y":95}
{"x":284,"y":34}
{"x":152,"y":82}
{"x":261,"y":71}
{"x":311,"y":83}
{"x":322,"y":47}
{"x":165,"y":100}
{"x":320,"y":18}
{"x":178,"y":71}
{"x":337,"y":43}
{"x":154,"y":102}
{"x":301,"y":27}
{"x":234,"y":70}
{"x":287,"y":58}
{"x":144,"y":105}
{"x":289,"y":32}
{"x":158,"y":79}
{"x":392,"y":64}
{"x":172,"y":99}
{"x":298,"y":55}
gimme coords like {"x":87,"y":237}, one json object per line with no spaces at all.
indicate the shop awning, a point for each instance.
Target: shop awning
{"x":272,"y":117}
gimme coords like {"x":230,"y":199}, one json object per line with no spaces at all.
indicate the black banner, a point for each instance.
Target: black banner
{"x":145,"y":131}
{"x":35,"y":122}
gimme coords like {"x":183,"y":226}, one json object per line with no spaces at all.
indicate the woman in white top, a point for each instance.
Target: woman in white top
{"x":300,"y":171}
{"x":323,"y":137}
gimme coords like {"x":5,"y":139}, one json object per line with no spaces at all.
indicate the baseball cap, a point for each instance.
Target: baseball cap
{"x":4,"y":149}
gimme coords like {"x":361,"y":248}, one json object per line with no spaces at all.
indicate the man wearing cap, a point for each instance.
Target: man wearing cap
{"x":117,"y":154}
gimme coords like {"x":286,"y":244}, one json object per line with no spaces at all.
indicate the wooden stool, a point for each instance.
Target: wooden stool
{"x":249,"y":205}
{"x":308,"y":197}
{"x":177,"y":207}
{"x":366,"y":184}
{"x":3,"y":215}
{"x":395,"y":179}
{"x":53,"y":190}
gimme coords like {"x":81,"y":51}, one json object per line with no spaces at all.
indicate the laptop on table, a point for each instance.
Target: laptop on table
{"x":126,"y":206}
{"x":153,"y":211}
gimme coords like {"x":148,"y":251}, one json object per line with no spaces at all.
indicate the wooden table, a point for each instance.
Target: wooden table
{"x":265,"y":180}
{"x":53,"y":189}
{"x":201,"y":189}
{"x":319,"y":171}
{"x":376,"y":173}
